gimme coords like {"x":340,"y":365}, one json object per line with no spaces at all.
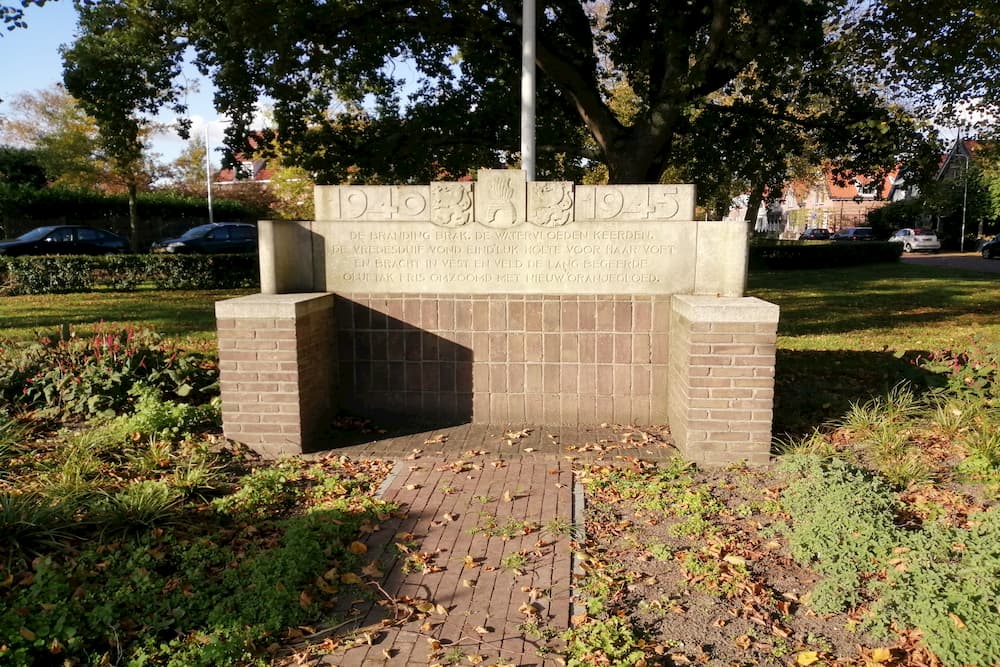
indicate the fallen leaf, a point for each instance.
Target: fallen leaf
{"x":27,"y":634}
{"x":358,"y":548}
{"x":482,"y":630}
{"x":468,"y":583}
{"x":881,"y":654}
{"x":448,"y":516}
{"x":372,"y":570}
{"x":956,"y":620}
{"x":806,"y":658}
{"x":475,"y":659}
{"x":350,"y":578}
{"x":530,"y":608}
{"x":412,"y":487}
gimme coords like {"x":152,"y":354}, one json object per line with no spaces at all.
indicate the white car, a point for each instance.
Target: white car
{"x":915,"y":239}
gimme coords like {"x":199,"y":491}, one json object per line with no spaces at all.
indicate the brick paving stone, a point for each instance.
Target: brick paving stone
{"x":536,"y":470}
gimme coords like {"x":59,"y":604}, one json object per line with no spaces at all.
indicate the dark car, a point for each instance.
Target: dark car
{"x":991,"y":249}
{"x":65,"y":240}
{"x":854,"y":234}
{"x":213,"y":238}
{"x":818,"y":234}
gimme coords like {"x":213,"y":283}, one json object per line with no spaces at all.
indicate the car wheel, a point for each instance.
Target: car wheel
{"x":907,"y":247}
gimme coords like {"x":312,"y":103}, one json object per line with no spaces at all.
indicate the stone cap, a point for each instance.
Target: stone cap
{"x":273,"y":306}
{"x":725,"y":309}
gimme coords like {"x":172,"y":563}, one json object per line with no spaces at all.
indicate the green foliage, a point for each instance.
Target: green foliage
{"x":794,"y":255}
{"x":263,"y":493}
{"x":612,"y":641}
{"x":846,"y":541}
{"x":140,"y":571}
{"x":946,"y":581}
{"x":21,"y":166}
{"x":141,"y":504}
{"x":169,"y":271}
{"x":153,"y":417}
{"x":939,"y":578}
{"x":23,"y":207}
{"x":897,"y":215}
{"x":70,"y":273}
{"x":96,"y":376}
{"x":30,"y":522}
{"x":971,"y":375}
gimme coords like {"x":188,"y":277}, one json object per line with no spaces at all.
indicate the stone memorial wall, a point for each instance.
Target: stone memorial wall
{"x":499,"y":301}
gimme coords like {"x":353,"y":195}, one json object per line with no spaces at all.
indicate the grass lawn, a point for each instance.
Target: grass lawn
{"x":132,"y":533}
{"x":181,"y":314}
{"x":849,"y":334}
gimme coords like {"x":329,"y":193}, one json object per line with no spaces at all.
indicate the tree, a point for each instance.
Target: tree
{"x":65,"y":138}
{"x":941,"y":57}
{"x":122,"y":77}
{"x":722,"y":91}
{"x":21,"y":166}
{"x":188,"y":170}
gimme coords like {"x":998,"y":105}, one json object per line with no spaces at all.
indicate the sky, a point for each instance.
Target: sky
{"x":31,"y":62}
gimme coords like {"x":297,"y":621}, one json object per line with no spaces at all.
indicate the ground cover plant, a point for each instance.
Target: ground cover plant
{"x":136,"y":533}
{"x":872,"y":540}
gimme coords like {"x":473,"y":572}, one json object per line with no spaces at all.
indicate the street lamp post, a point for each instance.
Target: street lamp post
{"x":208,"y":174}
{"x":965,"y":197}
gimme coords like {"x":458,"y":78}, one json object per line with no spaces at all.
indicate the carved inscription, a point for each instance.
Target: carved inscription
{"x":633,"y":202}
{"x":599,"y":260}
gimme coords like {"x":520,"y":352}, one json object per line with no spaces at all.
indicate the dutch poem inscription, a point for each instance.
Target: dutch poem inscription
{"x":502,"y":234}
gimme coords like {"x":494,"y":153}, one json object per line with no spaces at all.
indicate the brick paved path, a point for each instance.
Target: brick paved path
{"x":487,"y":533}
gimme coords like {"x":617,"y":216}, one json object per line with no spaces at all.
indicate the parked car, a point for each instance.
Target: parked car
{"x":818,"y":234}
{"x":916,"y":238}
{"x":213,"y":238}
{"x":854,"y":234}
{"x":991,"y":249}
{"x":65,"y":240}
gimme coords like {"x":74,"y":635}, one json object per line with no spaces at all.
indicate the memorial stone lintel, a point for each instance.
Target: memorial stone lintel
{"x":501,"y":198}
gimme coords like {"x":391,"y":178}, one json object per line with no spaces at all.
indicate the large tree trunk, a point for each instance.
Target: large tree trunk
{"x":639,"y":155}
{"x":753,"y":205}
{"x":133,"y":217}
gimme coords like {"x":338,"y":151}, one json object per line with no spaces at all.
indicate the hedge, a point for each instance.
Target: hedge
{"x":164,"y":213}
{"x":805,"y":255}
{"x":51,"y":274}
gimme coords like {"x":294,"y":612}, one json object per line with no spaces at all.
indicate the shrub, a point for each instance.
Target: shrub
{"x":973,"y":375}
{"x":72,"y":273}
{"x":86,"y":377}
{"x":795,"y":255}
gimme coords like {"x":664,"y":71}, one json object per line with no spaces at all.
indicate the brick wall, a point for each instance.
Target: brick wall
{"x":277,"y":372}
{"x":721,"y":378}
{"x":555,"y":360}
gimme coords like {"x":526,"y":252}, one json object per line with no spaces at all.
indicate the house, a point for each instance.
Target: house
{"x":252,"y":169}
{"x":827,"y":201}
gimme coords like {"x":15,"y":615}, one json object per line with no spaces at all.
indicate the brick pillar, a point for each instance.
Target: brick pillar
{"x":721,"y":378}
{"x":277,"y":356}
